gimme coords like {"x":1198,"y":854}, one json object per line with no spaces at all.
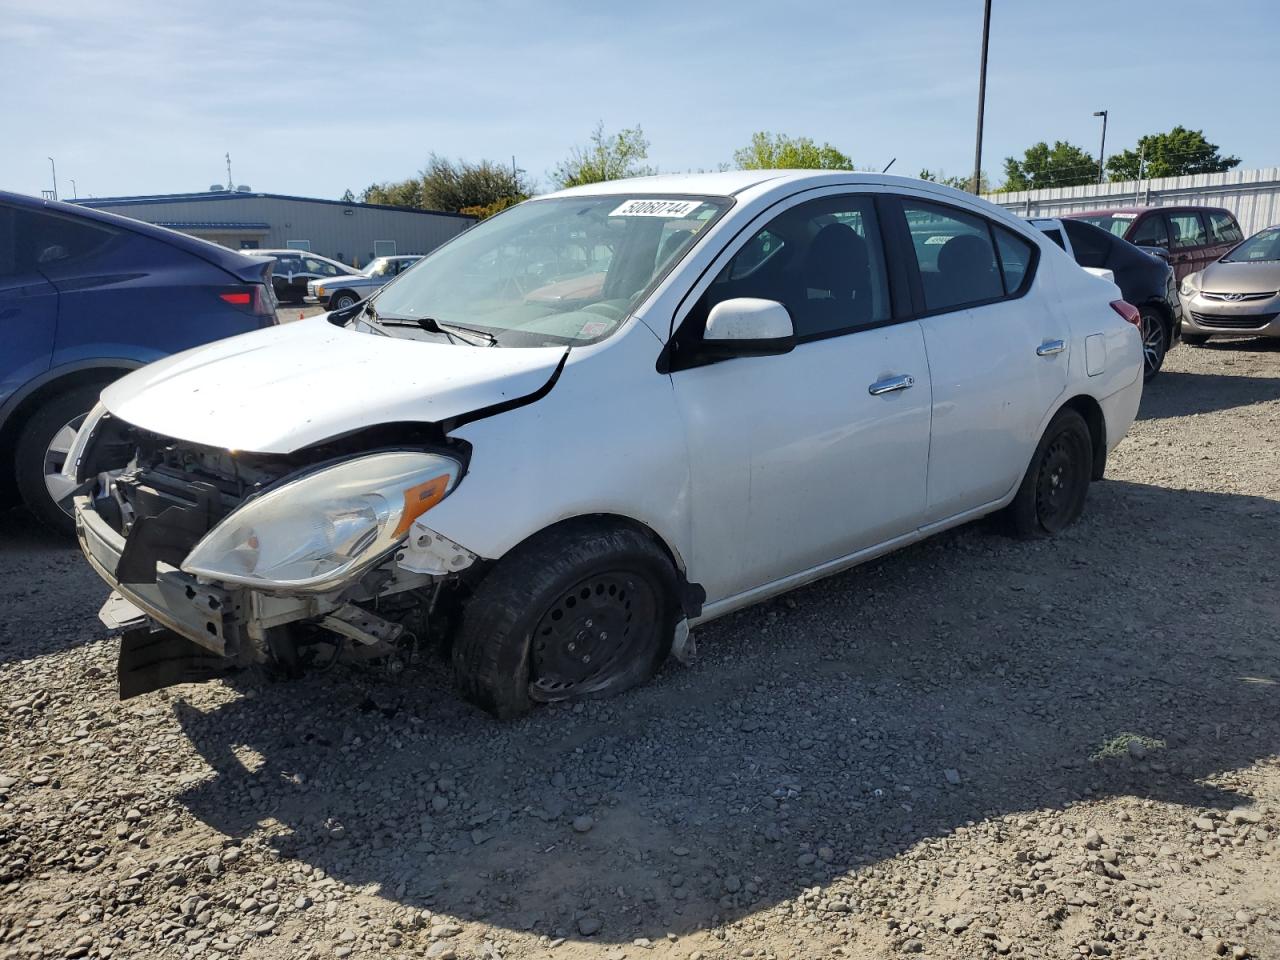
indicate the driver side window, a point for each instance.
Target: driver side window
{"x":823,"y":260}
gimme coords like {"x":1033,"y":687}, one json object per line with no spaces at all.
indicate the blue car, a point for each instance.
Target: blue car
{"x":86,"y":297}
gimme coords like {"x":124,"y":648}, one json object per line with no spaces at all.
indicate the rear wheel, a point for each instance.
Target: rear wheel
{"x":1195,"y":339}
{"x":584,"y":610}
{"x":42,"y":450}
{"x":1053,"y":490}
{"x":1155,"y":341}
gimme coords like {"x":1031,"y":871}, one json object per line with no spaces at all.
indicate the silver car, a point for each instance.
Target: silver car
{"x":1237,"y":294}
{"x":338,"y":293}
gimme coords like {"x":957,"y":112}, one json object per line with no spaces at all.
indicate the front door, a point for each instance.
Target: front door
{"x":997,"y":352}
{"x":1189,"y":241}
{"x":804,"y":458}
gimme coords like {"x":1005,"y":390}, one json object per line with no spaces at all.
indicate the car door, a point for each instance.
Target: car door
{"x":808,"y":457}
{"x":288,"y":277}
{"x":28,"y":306}
{"x":1188,"y":240}
{"x":997,"y":350}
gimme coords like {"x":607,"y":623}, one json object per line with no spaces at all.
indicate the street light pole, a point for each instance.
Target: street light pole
{"x":54,"y":168}
{"x":982,"y":96}
{"x":1102,"y":149}
{"x":74,"y":195}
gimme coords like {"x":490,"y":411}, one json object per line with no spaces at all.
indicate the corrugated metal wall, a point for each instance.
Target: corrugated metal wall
{"x":1252,"y":195}
{"x":344,"y":232}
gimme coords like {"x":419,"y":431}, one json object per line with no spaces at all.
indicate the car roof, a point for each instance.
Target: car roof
{"x":732,"y":182}
{"x":1112,"y":211}
{"x":204,"y":249}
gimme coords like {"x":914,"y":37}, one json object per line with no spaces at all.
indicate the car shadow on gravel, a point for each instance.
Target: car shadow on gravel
{"x":47,"y":612}
{"x":1175,"y":394}
{"x":966,"y":678}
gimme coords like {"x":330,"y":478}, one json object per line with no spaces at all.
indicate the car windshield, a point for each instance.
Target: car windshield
{"x":567,"y":270}
{"x":380,"y":267}
{"x":1264,"y":245}
{"x":1117,"y":223}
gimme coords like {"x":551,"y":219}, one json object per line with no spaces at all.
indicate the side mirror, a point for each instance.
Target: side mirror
{"x":1160,"y":252}
{"x":747,"y":327}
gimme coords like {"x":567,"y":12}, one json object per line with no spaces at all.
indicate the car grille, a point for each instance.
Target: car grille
{"x":1238,"y":297}
{"x":1249,"y":322}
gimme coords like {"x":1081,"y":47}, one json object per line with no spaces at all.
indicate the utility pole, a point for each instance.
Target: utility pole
{"x":982,"y":96}
{"x":54,"y":168}
{"x":1102,"y":150}
{"x":74,"y":195}
{"x":230,"y":183}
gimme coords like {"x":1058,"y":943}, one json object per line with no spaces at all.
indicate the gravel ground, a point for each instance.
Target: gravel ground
{"x":974,"y":747}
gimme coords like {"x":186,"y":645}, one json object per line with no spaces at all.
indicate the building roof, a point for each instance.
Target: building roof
{"x":208,"y":195}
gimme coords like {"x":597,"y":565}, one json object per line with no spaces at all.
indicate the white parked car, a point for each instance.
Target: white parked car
{"x":338,"y":293}
{"x":597,"y":420}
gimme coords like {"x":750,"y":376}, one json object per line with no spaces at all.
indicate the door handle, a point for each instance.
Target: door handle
{"x":1050,"y":347}
{"x":891,"y":385}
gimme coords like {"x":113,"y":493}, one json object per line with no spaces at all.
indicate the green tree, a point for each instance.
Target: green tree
{"x":450,"y":185}
{"x":777,"y":151}
{"x":605,"y":157}
{"x":1062,"y":165}
{"x":960,"y":183}
{"x":1174,"y":154}
{"x":347,"y":196}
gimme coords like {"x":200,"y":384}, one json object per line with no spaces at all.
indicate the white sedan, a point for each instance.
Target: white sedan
{"x":597,"y":420}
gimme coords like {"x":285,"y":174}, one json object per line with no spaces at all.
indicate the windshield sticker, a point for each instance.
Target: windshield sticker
{"x":656,"y":208}
{"x":593,"y":328}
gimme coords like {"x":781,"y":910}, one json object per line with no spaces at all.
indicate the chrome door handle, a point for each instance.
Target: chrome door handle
{"x":891,"y":384}
{"x":1050,"y":347}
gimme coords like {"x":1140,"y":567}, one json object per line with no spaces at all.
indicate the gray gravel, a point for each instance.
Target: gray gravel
{"x":976,"y":747}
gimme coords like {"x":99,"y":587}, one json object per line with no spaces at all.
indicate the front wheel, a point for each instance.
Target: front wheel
{"x":1053,"y":490}
{"x":1155,"y":342}
{"x":342,"y":301}
{"x":583,"y":610}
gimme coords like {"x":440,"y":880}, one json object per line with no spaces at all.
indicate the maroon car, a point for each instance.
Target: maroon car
{"x":1190,"y":238}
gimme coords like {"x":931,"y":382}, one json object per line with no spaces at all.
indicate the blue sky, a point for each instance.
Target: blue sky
{"x":311,"y":97}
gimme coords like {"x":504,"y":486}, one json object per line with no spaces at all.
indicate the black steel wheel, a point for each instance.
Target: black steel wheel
{"x":584,"y":609}
{"x":592,"y":633}
{"x":1155,"y":342}
{"x":1052,"y":494}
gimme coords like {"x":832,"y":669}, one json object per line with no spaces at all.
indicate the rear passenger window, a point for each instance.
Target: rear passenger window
{"x":1224,"y":228}
{"x":1187,"y":230}
{"x":1151,"y":232}
{"x":1015,"y":259}
{"x":954,"y":253}
{"x":48,"y":241}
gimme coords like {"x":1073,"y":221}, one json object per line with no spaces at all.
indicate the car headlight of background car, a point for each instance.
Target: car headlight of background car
{"x":319,"y":290}
{"x":316,"y":532}
{"x":1189,"y":285}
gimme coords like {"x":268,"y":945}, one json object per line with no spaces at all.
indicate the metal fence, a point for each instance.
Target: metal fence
{"x":1252,"y":195}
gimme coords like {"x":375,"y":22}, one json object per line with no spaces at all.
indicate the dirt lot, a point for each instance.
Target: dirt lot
{"x":973,"y":748}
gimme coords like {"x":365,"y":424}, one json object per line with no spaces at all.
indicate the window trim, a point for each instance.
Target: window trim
{"x":907,"y":254}
{"x":899,"y":311}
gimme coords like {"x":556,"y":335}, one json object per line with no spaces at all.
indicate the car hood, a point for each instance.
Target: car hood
{"x":1219,"y":277}
{"x":287,"y":387}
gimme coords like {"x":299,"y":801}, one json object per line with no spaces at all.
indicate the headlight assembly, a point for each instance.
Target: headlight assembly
{"x":1188,"y":287}
{"x":316,"y":532}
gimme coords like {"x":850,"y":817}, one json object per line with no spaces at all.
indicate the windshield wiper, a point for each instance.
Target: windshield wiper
{"x":432,"y":325}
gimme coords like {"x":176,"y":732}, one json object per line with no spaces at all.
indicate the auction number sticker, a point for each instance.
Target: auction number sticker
{"x":656,"y":208}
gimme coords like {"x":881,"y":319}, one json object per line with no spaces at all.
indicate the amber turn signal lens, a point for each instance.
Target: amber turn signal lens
{"x":418,"y":500}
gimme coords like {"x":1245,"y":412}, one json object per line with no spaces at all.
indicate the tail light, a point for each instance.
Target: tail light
{"x":254,"y":298}
{"x":1128,"y":311}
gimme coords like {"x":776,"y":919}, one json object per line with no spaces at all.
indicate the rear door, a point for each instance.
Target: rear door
{"x":997,"y":347}
{"x":28,"y":305}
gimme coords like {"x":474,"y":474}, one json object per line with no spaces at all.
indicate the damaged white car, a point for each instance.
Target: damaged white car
{"x":596,"y":420}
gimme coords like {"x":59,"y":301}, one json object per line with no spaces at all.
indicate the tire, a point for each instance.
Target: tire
{"x":36,"y":453}
{"x":523,"y":633}
{"x":1052,"y":493}
{"x":1195,"y":339}
{"x":340,"y":301}
{"x":1155,"y":342}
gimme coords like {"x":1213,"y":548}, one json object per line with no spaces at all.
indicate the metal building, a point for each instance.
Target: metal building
{"x":1252,"y":195}
{"x":354,"y":233}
